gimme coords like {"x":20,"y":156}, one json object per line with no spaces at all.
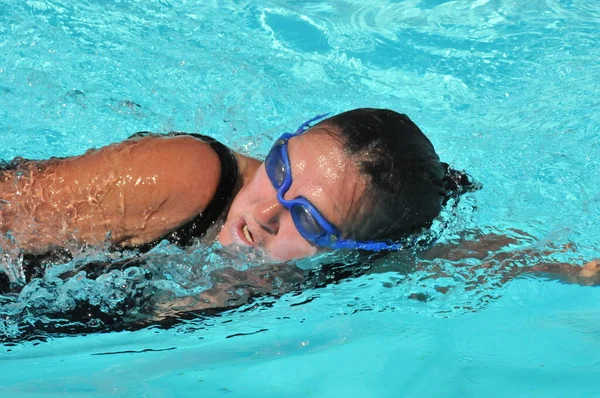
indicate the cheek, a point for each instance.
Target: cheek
{"x":241,"y":200}
{"x":289,"y":244}
{"x":292,"y":252}
{"x":252,"y":192}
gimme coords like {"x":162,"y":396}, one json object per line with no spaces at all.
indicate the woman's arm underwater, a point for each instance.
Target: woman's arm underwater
{"x":127,"y":193}
{"x":495,"y":253}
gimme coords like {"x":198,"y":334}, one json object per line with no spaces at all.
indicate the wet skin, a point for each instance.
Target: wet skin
{"x":134,"y":191}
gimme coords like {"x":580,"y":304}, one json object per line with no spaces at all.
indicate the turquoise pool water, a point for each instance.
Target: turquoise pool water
{"x":505,"y":89}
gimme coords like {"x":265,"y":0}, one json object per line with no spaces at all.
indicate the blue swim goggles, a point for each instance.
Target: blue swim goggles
{"x":308,"y":220}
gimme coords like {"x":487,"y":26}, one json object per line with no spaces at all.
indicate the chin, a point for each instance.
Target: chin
{"x":223,"y":239}
{"x":284,"y":256}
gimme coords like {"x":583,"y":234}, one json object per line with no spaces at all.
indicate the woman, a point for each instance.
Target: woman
{"x":365,"y":179}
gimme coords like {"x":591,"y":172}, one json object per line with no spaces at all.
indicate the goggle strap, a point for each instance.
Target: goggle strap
{"x":306,"y":124}
{"x":378,"y":246}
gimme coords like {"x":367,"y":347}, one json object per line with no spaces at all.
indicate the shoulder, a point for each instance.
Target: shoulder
{"x":184,"y":165}
{"x":175,"y":151}
{"x":182,"y":174}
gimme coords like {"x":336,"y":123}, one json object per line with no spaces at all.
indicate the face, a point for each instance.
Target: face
{"x":321,"y":173}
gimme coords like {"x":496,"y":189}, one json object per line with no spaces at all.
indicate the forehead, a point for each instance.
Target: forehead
{"x":324,"y":174}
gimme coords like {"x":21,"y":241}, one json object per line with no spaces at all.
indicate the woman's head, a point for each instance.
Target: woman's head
{"x":406,"y":182}
{"x":369,"y":172}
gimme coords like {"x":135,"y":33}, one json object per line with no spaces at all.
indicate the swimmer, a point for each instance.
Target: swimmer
{"x":364,"y":179}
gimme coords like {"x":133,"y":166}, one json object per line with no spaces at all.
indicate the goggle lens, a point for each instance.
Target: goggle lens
{"x":306,"y":223}
{"x":275,"y":166}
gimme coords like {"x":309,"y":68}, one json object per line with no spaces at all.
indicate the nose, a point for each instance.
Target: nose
{"x":268,"y":214}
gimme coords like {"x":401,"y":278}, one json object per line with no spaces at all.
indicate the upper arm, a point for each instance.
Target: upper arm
{"x":140,"y":189}
{"x":173,"y":180}
{"x":134,"y":191}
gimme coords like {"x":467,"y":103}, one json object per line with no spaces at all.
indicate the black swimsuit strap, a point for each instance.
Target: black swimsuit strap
{"x":197,"y":227}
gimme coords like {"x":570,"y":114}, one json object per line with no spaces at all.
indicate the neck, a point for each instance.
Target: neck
{"x":247,"y":166}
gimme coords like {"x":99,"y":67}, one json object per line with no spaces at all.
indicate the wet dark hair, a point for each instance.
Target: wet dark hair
{"x":407,"y":184}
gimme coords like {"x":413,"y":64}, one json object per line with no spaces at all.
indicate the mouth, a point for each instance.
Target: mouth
{"x":242,"y":234}
{"x":247,"y":233}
